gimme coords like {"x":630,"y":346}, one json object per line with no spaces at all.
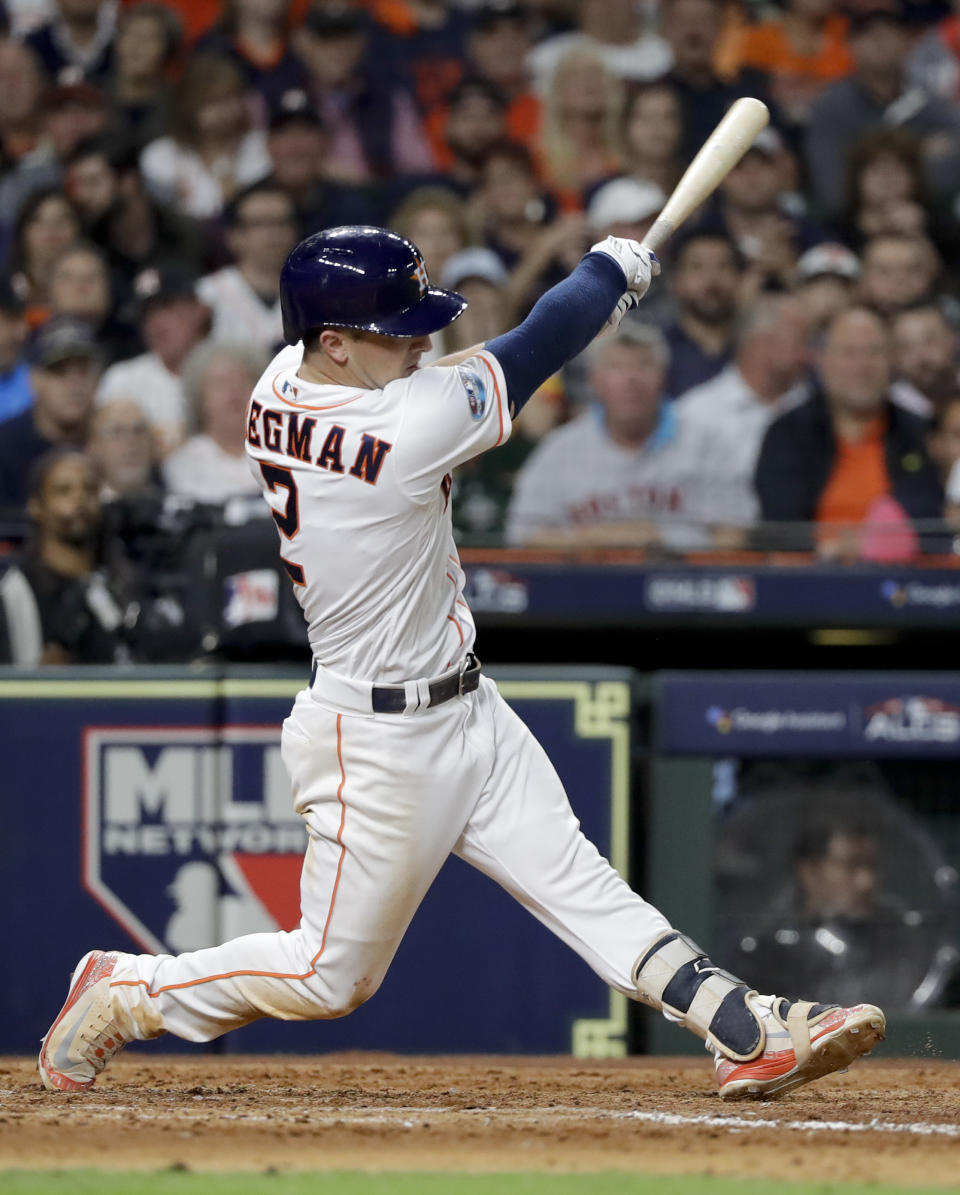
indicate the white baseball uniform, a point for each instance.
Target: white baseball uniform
{"x":399,"y":751}
{"x":359,"y":483}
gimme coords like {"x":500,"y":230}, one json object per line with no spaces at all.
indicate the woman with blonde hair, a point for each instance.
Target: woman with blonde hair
{"x":580,"y":137}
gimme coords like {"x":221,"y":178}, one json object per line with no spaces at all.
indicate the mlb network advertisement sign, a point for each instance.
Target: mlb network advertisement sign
{"x":152,"y":812}
{"x":201,"y":815}
{"x":789,"y":714}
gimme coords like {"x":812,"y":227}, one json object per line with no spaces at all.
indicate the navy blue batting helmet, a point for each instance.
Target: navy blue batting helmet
{"x":360,"y":277}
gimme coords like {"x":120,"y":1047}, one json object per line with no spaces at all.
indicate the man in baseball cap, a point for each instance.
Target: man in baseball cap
{"x":824,"y":280}
{"x":167,"y":283}
{"x":297,"y":142}
{"x":65,"y":362}
{"x":624,"y":207}
{"x":173,"y":321}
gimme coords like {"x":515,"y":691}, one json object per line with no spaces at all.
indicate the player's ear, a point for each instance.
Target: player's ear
{"x":335,"y":344}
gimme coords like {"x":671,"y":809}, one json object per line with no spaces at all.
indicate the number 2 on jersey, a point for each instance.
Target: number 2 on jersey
{"x":288,"y":519}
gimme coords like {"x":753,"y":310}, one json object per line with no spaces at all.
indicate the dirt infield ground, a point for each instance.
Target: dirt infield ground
{"x":890,"y":1121}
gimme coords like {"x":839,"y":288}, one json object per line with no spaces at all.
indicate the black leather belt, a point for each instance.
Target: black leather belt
{"x":392,"y":699}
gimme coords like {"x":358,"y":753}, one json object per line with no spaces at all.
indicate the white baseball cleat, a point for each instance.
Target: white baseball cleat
{"x":804,"y":1042}
{"x":84,"y":1037}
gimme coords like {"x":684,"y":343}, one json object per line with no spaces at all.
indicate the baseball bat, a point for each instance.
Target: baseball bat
{"x":718,"y":155}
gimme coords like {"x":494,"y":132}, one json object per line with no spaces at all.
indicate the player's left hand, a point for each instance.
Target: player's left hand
{"x":639,"y":264}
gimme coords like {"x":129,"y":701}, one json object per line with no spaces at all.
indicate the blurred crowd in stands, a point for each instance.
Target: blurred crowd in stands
{"x":790,"y":382}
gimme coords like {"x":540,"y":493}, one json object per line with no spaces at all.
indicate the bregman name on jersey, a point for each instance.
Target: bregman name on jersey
{"x":358,"y":484}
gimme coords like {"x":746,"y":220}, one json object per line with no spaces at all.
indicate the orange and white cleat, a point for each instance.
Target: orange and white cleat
{"x":804,"y":1041}
{"x":84,"y":1037}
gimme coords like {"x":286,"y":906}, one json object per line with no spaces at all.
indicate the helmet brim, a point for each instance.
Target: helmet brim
{"x":436,"y":310}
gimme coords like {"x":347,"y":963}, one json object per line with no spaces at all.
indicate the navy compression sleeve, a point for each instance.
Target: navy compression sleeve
{"x":561,"y":324}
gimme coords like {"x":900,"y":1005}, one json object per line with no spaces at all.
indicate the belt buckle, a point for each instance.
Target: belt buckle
{"x":467,"y":664}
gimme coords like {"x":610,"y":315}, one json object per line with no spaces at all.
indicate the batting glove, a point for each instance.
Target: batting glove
{"x":639,"y":264}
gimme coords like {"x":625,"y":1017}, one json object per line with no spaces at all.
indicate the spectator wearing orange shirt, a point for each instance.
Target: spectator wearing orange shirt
{"x":422,"y":41}
{"x":255,"y":35}
{"x":496,"y":52}
{"x":475,"y":123}
{"x":848,"y":460}
{"x":693,"y":29}
{"x":802,"y":49}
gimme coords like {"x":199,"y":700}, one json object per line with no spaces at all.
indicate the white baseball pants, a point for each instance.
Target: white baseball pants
{"x":386,"y":798}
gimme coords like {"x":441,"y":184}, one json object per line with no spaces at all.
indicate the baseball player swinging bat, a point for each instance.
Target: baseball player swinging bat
{"x":718,"y":155}
{"x":400,"y":751}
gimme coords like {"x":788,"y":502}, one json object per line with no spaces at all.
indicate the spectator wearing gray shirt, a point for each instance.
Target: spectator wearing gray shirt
{"x":620,"y":474}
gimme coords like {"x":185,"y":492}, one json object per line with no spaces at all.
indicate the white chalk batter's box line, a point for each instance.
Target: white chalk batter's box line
{"x":400,"y":1117}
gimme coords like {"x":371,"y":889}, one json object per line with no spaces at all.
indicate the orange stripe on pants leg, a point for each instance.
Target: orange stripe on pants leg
{"x":343,"y":849}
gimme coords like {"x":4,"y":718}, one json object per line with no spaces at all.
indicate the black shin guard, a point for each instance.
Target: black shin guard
{"x":674,"y":975}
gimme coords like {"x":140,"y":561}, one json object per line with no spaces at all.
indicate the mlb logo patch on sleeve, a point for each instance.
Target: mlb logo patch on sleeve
{"x":476,"y":390}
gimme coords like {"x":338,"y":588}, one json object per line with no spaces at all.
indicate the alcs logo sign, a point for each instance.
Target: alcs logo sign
{"x":913,"y":720}
{"x":190,"y":837}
